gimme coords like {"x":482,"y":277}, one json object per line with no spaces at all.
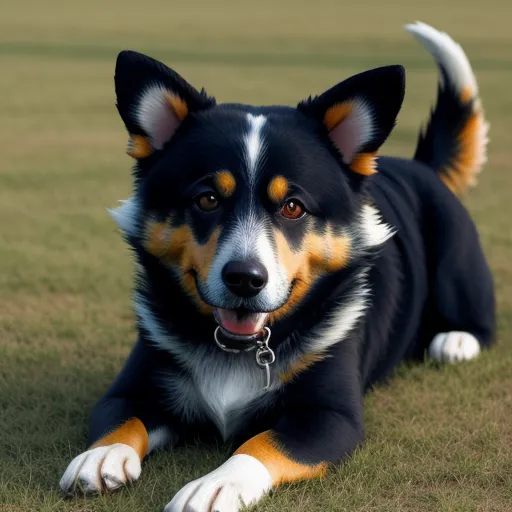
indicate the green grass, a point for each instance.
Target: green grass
{"x":438,"y":439}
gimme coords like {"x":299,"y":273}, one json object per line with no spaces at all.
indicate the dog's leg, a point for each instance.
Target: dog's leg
{"x":111,"y":462}
{"x":322,"y":424}
{"x":460,"y":317}
{"x":125,"y":426}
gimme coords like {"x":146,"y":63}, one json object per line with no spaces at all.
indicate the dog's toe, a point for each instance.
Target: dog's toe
{"x":454,"y":346}
{"x":101,"y":469}
{"x":240,"y":481}
{"x":228,"y":498}
{"x":70,"y":477}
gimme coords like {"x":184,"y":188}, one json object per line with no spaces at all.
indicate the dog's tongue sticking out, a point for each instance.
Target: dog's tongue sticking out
{"x":240,"y":322}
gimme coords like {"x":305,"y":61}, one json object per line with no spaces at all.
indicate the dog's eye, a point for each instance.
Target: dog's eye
{"x":293,"y":209}
{"x":207,"y":202}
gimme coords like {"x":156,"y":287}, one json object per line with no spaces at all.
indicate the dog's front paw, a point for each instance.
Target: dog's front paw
{"x":101,"y":469}
{"x":241,"y":481}
{"x":454,"y":346}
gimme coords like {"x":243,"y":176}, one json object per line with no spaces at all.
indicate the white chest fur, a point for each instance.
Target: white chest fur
{"x":215,"y":384}
{"x":222,"y":387}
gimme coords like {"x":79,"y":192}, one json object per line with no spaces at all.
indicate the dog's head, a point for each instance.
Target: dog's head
{"x":250,"y":207}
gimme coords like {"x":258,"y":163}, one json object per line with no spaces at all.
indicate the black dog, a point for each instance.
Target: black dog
{"x":282,"y":269}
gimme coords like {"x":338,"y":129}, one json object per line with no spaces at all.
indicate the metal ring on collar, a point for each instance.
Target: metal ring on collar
{"x":265,"y":357}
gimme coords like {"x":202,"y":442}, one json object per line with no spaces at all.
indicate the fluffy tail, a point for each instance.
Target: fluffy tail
{"x":455,"y":140}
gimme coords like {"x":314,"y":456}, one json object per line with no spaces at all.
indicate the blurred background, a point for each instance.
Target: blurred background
{"x":437,"y":439}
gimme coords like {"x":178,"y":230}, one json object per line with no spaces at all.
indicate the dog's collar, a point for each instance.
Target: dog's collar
{"x":236,"y":343}
{"x":265,"y":356}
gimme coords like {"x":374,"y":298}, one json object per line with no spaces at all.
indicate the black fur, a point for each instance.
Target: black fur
{"x":438,"y":145}
{"x":430,"y":277}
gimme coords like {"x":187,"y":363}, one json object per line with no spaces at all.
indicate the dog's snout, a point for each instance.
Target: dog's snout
{"x":245,"y":278}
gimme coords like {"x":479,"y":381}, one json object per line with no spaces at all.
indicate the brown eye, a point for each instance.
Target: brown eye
{"x":292,"y":209}
{"x":207,"y":202}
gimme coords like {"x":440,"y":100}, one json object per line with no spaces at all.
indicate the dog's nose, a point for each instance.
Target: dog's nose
{"x":245,"y":278}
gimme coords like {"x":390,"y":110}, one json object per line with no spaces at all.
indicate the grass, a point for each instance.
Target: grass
{"x":439,"y":439}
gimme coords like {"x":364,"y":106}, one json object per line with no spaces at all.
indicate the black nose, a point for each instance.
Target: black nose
{"x":245,"y":278}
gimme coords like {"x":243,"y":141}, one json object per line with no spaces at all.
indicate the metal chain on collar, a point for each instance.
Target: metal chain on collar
{"x":265,"y":356}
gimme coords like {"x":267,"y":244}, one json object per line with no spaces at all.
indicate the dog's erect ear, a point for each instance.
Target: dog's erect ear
{"x":153,"y":101}
{"x":359,"y":114}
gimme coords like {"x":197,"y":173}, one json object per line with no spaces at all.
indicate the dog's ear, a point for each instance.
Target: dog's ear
{"x":359,"y":114}
{"x":153,"y":101}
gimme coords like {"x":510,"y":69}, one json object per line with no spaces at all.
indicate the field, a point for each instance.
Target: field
{"x":439,"y":439}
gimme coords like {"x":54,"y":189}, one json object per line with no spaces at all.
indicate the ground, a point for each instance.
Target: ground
{"x":438,"y":439}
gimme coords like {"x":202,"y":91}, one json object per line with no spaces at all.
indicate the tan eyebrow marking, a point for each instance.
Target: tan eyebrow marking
{"x":225,"y":183}
{"x":277,"y":189}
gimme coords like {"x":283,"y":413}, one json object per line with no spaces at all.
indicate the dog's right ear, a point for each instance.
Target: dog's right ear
{"x":359,"y":113}
{"x":153,"y":101}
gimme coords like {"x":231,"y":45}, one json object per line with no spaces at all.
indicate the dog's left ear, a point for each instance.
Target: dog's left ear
{"x":153,"y":101}
{"x":359,"y":114}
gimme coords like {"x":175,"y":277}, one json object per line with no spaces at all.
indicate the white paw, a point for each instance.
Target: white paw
{"x":240,"y":481}
{"x":101,"y":469}
{"x":452,"y":347}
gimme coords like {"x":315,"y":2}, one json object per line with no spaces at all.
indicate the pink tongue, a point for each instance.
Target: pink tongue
{"x":244,"y":325}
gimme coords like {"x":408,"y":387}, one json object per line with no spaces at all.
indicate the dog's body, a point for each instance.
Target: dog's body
{"x":266,"y":221}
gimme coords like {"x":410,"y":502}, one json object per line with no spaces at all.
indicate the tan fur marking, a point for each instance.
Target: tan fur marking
{"x":364,"y":164}
{"x":319,"y":254}
{"x":133,"y":433}
{"x":158,"y":237}
{"x":336,"y":114}
{"x":298,"y":268}
{"x":466,"y":95}
{"x":179,"y":247}
{"x":277,"y":189}
{"x":462,"y":173}
{"x":178,"y":105}
{"x":328,"y":252}
{"x":302,"y":285}
{"x":139,"y":147}
{"x":340,"y":252}
{"x":282,"y":469}
{"x":302,"y":363}
{"x":225,"y":183}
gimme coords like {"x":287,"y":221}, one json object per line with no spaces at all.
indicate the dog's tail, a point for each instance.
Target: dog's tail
{"x":454,"y":141}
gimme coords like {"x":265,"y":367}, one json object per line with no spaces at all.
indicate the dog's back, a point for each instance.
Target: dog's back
{"x":444,"y":284}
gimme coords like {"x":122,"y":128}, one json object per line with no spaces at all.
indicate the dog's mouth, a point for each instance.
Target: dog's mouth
{"x":240,"y":325}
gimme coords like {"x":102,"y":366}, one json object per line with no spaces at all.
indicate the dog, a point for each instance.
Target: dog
{"x":283,"y":269}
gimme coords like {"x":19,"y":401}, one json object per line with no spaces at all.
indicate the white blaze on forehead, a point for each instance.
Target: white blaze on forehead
{"x":253,"y":144}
